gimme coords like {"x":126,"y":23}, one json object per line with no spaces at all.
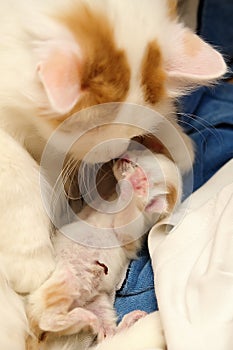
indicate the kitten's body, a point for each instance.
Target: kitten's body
{"x":79,"y":294}
{"x":58,"y":58}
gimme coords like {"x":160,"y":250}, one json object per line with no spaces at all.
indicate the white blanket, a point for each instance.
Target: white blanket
{"x":193,"y":269}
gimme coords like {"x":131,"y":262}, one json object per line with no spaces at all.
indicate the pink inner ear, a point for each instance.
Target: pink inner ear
{"x":194,"y":59}
{"x":60,"y":76}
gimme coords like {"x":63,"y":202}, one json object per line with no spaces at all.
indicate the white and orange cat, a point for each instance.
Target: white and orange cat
{"x":79,"y":294}
{"x":58,"y":58}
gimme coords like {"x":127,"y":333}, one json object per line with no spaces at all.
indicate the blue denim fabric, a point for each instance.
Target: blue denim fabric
{"x":208,"y":119}
{"x":210,"y":124}
{"x":137,"y":291}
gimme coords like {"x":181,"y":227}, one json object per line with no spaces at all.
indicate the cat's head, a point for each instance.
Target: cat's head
{"x":95,"y":52}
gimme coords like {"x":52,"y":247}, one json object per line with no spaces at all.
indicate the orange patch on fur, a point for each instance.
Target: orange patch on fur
{"x":153,"y":74}
{"x":172,"y":8}
{"x":105,"y":72}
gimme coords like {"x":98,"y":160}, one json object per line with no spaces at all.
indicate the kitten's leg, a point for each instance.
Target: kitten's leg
{"x":25,"y":247}
{"x":102,"y":307}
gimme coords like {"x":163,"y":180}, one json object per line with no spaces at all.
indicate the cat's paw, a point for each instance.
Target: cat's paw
{"x":130,"y":318}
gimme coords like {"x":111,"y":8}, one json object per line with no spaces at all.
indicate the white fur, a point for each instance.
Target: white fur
{"x":25,"y":228}
{"x":13,"y":322}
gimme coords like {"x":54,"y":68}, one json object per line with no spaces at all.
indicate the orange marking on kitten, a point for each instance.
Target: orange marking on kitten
{"x":172,"y":8}
{"x":104,"y":72}
{"x":153,"y":75}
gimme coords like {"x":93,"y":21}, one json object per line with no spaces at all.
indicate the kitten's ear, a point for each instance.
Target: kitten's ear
{"x":193,"y":60}
{"x":59,"y":71}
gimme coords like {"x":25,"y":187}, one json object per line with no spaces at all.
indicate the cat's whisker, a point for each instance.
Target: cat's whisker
{"x":198,"y":120}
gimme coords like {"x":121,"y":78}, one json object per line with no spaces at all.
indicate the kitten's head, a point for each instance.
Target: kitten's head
{"x":154,"y":178}
{"x":118,"y":51}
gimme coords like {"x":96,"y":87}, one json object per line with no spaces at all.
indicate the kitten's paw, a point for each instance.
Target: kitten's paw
{"x":131,"y":318}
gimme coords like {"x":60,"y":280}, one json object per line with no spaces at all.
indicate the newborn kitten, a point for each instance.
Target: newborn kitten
{"x":80,"y":292}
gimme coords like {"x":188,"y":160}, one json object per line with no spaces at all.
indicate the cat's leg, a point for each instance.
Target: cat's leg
{"x":26,"y":251}
{"x":13,"y":321}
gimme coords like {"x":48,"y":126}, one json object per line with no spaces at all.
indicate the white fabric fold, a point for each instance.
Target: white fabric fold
{"x":193,"y":267}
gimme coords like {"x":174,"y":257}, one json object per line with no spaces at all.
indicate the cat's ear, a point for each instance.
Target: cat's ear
{"x":59,"y":71}
{"x":192,"y":60}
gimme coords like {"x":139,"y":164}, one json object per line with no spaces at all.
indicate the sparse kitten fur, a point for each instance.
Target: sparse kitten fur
{"x":57,"y":58}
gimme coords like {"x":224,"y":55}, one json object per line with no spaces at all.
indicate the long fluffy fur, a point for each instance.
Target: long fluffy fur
{"x":13,"y":324}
